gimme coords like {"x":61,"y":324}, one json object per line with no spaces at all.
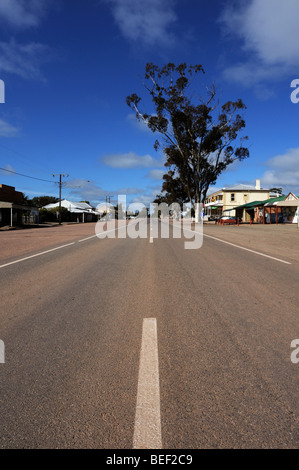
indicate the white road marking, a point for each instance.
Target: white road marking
{"x":108,"y":231}
{"x":247,"y":249}
{"x":147,"y":431}
{"x":37,"y":254}
{"x":88,"y":238}
{"x":151,"y":240}
{"x":242,"y":248}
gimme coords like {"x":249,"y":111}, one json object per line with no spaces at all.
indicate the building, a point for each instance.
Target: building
{"x":227,"y":199}
{"x":281,"y":209}
{"x":105,"y":208}
{"x":80,"y":211}
{"x":13,"y":211}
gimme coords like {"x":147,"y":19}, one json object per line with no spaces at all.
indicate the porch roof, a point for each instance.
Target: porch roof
{"x":11,"y":205}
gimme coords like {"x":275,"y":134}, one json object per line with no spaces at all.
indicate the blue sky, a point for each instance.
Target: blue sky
{"x":69,"y":65}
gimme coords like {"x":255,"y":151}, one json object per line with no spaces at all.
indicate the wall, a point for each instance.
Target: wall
{"x":9,"y":194}
{"x":240,"y":198}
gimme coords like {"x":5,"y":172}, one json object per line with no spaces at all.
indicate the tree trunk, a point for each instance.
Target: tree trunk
{"x":197,"y":213}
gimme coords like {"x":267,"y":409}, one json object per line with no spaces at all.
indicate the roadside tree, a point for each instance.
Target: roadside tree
{"x":199,"y":138}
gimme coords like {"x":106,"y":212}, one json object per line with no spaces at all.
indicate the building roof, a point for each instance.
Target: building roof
{"x":248,"y":205}
{"x":243,"y":187}
{"x":267,"y":202}
{"x":12,"y":205}
{"x":71,"y":206}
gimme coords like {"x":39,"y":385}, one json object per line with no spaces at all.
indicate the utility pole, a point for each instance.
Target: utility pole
{"x":108,"y":201}
{"x":60,"y":185}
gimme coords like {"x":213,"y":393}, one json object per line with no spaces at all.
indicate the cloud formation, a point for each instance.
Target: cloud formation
{"x":22,"y":13}
{"x":148,"y":22}
{"x":129,"y":160}
{"x":90,"y":191}
{"x":283,"y":171}
{"x":269,"y":35}
{"x":7,"y":130}
{"x":24,"y":60}
{"x":140,"y":125}
{"x":9,"y":169}
{"x":156,"y":174}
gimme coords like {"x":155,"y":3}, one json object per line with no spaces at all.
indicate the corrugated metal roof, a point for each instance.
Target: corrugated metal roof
{"x":243,"y":187}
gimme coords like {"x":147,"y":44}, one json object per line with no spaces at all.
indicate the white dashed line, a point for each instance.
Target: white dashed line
{"x":88,"y":238}
{"x":147,"y":431}
{"x":37,"y":254}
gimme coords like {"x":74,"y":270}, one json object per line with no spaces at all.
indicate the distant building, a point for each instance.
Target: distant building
{"x":80,"y":211}
{"x":105,"y":208}
{"x":230,"y":197}
{"x":13,"y":211}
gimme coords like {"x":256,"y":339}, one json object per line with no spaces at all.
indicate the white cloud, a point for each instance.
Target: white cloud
{"x":283,"y":171}
{"x":270,"y":35}
{"x":23,"y":59}
{"x":128,"y":190}
{"x":90,"y":191}
{"x":148,"y":196}
{"x":156,"y":174}
{"x":146,"y":21}
{"x":9,"y":169}
{"x":141,"y":125}
{"x":7,"y":130}
{"x":129,"y":160}
{"x":22,"y":13}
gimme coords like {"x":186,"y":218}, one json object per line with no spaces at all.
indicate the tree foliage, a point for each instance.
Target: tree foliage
{"x":40,"y":201}
{"x":199,"y":137}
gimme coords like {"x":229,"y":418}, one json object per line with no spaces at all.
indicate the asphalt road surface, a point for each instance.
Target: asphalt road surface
{"x":122,"y":343}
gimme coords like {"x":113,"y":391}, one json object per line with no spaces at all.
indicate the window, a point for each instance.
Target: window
{"x":232,"y":196}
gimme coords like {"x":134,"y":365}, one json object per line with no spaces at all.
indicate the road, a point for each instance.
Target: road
{"x":213,"y":326}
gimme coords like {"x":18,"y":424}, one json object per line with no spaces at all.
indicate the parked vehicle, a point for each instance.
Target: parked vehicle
{"x":227,"y":219}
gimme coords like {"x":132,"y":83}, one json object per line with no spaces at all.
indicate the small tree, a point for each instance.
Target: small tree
{"x":198,"y":139}
{"x":41,"y":201}
{"x":276,"y":190}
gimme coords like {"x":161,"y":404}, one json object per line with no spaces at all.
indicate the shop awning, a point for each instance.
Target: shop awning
{"x":291,"y":203}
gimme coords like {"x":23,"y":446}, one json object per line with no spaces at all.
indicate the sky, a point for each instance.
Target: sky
{"x":68,"y":67}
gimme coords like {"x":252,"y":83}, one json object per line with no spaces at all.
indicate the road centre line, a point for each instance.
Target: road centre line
{"x":147,"y":430}
{"x":37,"y":254}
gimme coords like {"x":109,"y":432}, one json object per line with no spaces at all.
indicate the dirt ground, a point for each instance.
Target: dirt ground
{"x":14,"y":243}
{"x":281,"y":241}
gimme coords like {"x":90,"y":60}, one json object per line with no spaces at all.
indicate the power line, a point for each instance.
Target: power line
{"x":25,"y":176}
